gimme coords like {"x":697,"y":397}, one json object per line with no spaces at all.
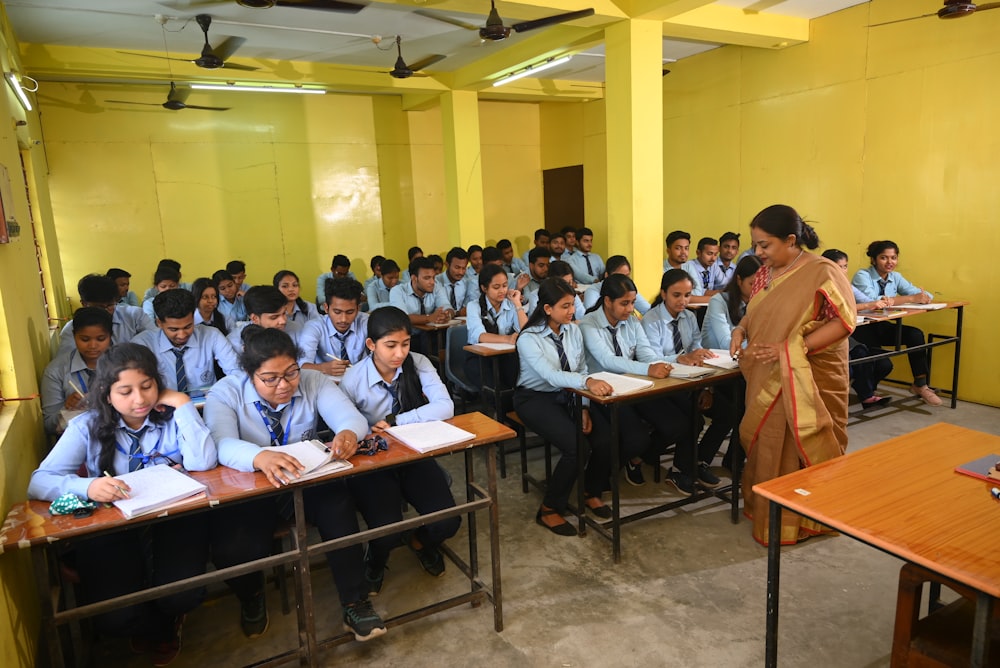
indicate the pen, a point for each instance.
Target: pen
{"x":75,"y":388}
{"x":120,"y":489}
{"x":336,"y":359}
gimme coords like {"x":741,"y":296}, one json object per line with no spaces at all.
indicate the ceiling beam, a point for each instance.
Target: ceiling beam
{"x":731,"y":25}
{"x":659,"y":10}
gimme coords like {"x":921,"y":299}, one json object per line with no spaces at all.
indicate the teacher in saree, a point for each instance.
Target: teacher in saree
{"x":800,"y":313}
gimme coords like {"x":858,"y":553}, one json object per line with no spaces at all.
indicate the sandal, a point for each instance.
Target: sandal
{"x":561,"y":528}
{"x":597,"y":507}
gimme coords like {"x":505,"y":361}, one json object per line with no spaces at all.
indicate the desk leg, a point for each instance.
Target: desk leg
{"x":773,"y":586}
{"x":491,"y":486}
{"x":737,"y":455}
{"x":980,"y":657}
{"x":581,"y":465}
{"x":959,"y":315}
{"x":616,"y":526}
{"x":498,"y":408}
{"x":305,"y":610}
{"x":470,"y":477}
{"x":44,"y":570}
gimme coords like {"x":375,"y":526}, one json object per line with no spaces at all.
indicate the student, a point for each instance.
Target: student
{"x":123,"y":279}
{"x":881,"y":281}
{"x":238,"y":270}
{"x":492,"y":255}
{"x":165,"y":278}
{"x":542,"y":241}
{"x":673,"y":331}
{"x":701,"y":271}
{"x":678,"y":247}
{"x":230,"y":303}
{"x":617,"y":264}
{"x":475,"y":253}
{"x":206,"y":312}
{"x":68,"y":378}
{"x":378,"y":291}
{"x":437,"y":262}
{"x":134,"y":422}
{"x":411,"y":254}
{"x":727,"y":307}
{"x":564,"y":271}
{"x":551,"y":356}
{"x":557,"y":246}
{"x":725,"y":264}
{"x":336,"y":341}
{"x":569,"y":232}
{"x":452,"y":280}
{"x":512,"y":265}
{"x":587,"y":266}
{"x":340,"y":267}
{"x":615,"y":342}
{"x":275,"y":403}
{"x":375,"y":265}
{"x":100,"y":292}
{"x":394,"y":386}
{"x":266,"y":307}
{"x":186,"y":354}
{"x":496,"y":317}
{"x":538,"y":270}
{"x":422,"y":298}
{"x":170,"y":264}
{"x":298,"y":310}
{"x":864,"y":377}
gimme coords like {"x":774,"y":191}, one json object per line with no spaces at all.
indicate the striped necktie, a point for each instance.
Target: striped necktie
{"x":614,"y":341}
{"x":393,"y":390}
{"x":704,"y":279}
{"x":423,"y":309}
{"x":273,"y":418}
{"x":343,"y":345}
{"x":678,"y":343}
{"x":181,"y":375}
{"x":563,"y":360}
{"x":454,"y":302}
{"x":881,"y":286}
{"x":135,"y":458}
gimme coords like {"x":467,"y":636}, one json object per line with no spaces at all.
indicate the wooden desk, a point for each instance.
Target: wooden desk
{"x":29,"y":525}
{"x":904,"y":498}
{"x":660,"y":386}
{"x":485,"y":353}
{"x":438,"y":329}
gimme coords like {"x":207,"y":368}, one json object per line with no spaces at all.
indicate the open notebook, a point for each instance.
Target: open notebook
{"x":622,"y":384}
{"x":427,"y":436}
{"x":154,"y":488}
{"x":722,"y":359}
{"x":315,"y":456}
{"x":498,"y":346}
{"x":688,"y":371}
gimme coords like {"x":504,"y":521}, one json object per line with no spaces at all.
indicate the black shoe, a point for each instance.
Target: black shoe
{"x":597,"y":507}
{"x":167,"y":650}
{"x":374,"y":574}
{"x":430,"y":558}
{"x":253,"y":616}
{"x":633,"y":474}
{"x":706,"y":478}
{"x":681,"y":482}
{"x":563,"y":529}
{"x":875,"y":401}
{"x":361,"y":619}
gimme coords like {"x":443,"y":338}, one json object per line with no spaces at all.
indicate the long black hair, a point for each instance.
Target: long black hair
{"x":116,"y":359}
{"x":381,"y":323}
{"x":485,"y":278}
{"x":745,"y":268}
{"x":550,"y":291}
{"x":615,"y":287}
{"x":781,"y":220}
{"x":614,"y":263}
{"x":670,"y":277}
{"x":198,"y":288}
{"x":280,"y":276}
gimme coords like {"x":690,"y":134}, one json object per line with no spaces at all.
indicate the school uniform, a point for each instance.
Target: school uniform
{"x":321,"y":285}
{"x":320,"y":341}
{"x":593,"y":294}
{"x":702,"y":277}
{"x":235,"y":311}
{"x":587,"y":267}
{"x":578,"y":308}
{"x":235,"y":336}
{"x":404,"y":298}
{"x":717,"y":329}
{"x":659,"y":327}
{"x":126,"y":323}
{"x":63,"y":376}
{"x":506,"y":322}
{"x":667,"y":266}
{"x":531,"y":288}
{"x":301,"y":316}
{"x":152,"y":291}
{"x":218,"y":321}
{"x":241,"y":425}
{"x":457,"y":293}
{"x":378,"y":294}
{"x":129,"y":299}
{"x":722,"y":273}
{"x":194,"y":368}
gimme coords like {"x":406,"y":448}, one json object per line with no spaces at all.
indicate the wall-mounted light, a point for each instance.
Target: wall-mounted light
{"x":15,"y":84}
{"x":260,"y":89}
{"x":532,"y":69}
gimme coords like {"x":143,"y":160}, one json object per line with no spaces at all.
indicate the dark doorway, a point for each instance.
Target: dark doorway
{"x":562,"y":190}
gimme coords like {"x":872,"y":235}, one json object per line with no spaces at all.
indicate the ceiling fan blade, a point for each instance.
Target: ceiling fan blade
{"x":146,"y":104}
{"x":149,"y":55}
{"x":195,"y":106}
{"x":228,"y":47}
{"x":987,"y":5}
{"x":243,"y":68}
{"x":910,"y":18}
{"x":551,"y":20}
{"x":324,"y":5}
{"x":187,"y":5}
{"x":427,"y":62}
{"x":445,"y":19}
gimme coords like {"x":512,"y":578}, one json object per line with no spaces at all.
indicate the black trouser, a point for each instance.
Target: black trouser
{"x":687,"y":457}
{"x":866,"y":377}
{"x":240,"y":533}
{"x":550,"y":416}
{"x":878,"y":334}
{"x":473,"y":365}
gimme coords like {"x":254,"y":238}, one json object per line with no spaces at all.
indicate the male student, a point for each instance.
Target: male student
{"x":174,"y":264}
{"x":569,"y":233}
{"x":452,"y":280}
{"x":588,"y":267}
{"x":411,"y":254}
{"x":238,"y":270}
{"x":701,"y":272}
{"x":542,"y":240}
{"x":378,"y":291}
{"x":475,"y":253}
{"x":725,"y":265}
{"x":101,"y":292}
{"x":421,"y":298}
{"x":678,"y":247}
{"x":231,"y":304}
{"x":557,"y":246}
{"x":186,"y":354}
{"x":512,"y":265}
{"x":265,"y":307}
{"x":123,"y":280}
{"x":538,"y":270}
{"x":340,"y":267}
{"x":375,"y":265}
{"x":333,"y":343}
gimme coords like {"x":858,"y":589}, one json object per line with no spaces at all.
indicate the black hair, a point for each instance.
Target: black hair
{"x":584,"y":232}
{"x":670,"y":277}
{"x":198,"y":288}
{"x":381,"y":323}
{"x":614,"y":286}
{"x":172,"y":264}
{"x":413,"y":252}
{"x":834,"y":255}
{"x":376,"y":262}
{"x":176,"y":303}
{"x":568,"y":229}
{"x":541,"y":232}
{"x":280,"y":276}
{"x":485,"y":278}
{"x":166,"y":274}
{"x":222,"y":275}
{"x":261,"y":299}
{"x":418,"y":263}
{"x":560,"y":268}
{"x":97,"y":289}
{"x":474,"y":248}
{"x":729,"y":236}
{"x":745,"y":268}
{"x":675,"y":235}
{"x":116,"y":359}
{"x":236,"y":266}
{"x":537,"y":253}
{"x":456,"y":253}
{"x":263,"y":343}
{"x":616,"y":262}
{"x":347,"y":289}
{"x":435,"y":260}
{"x":707,"y":241}
{"x":388,"y":267}
{"x":115,"y":273}
{"x":876,"y":248}
{"x":503,"y":244}
{"x":781,"y":220}
{"x":91,"y":316}
{"x":340,"y":261}
{"x":550,"y":291}
{"x":557,"y":235}
{"x":492,"y":254}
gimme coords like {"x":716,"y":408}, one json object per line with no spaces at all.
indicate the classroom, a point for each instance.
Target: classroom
{"x":872,"y":123}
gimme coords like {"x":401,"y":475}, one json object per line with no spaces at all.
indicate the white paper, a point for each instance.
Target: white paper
{"x":622,"y":384}
{"x":925,"y":307}
{"x":687,"y":371}
{"x":722,"y":359}
{"x":311,"y":454}
{"x":427,"y":436}
{"x":498,"y":346}
{"x":155,"y":487}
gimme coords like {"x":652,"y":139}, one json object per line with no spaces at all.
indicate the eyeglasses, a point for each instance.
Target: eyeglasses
{"x":371,"y":446}
{"x":271,"y":380}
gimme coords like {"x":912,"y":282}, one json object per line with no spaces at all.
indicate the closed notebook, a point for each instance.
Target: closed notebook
{"x":934,"y":306}
{"x":622,"y":384}
{"x":983,"y":468}
{"x":687,"y":371}
{"x":427,"y":436}
{"x":154,"y":488}
{"x":315,"y":457}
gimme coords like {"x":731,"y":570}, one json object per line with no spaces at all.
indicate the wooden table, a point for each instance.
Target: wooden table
{"x":485,"y":353}
{"x":29,"y":525}
{"x":660,"y":386}
{"x":903,"y":497}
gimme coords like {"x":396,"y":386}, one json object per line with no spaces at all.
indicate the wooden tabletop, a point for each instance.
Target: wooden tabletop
{"x":29,"y":522}
{"x":664,"y":385}
{"x":437,"y":326}
{"x":903,"y":496}
{"x":484,"y":351}
{"x":903,"y":311}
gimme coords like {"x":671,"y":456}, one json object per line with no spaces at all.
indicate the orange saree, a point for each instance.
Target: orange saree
{"x":796,"y":408}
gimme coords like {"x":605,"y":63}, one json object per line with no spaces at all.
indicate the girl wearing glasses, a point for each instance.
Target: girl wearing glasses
{"x":133,"y":422}
{"x":395,"y":386}
{"x":276,"y":403}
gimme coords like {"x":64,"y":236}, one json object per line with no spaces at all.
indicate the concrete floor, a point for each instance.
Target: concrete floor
{"x":690,"y":591}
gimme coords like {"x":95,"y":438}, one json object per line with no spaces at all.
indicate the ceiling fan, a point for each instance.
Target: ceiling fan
{"x":403,"y":71}
{"x":953,"y":9}
{"x":210,"y":59}
{"x":495,"y":30}
{"x":321,"y":5}
{"x":175,"y":101}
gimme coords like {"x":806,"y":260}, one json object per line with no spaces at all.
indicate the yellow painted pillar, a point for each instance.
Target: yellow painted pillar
{"x":634,"y":122}
{"x":463,"y":169}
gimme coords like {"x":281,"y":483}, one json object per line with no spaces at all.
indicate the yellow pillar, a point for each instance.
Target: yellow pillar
{"x":634,"y":122}
{"x":463,"y":169}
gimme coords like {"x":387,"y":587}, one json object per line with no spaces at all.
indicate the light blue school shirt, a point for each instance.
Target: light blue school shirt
{"x":321,"y":285}
{"x":184,"y":438}
{"x":667,"y":266}
{"x":506,"y":319}
{"x":578,"y":309}
{"x":300,"y":317}
{"x":578,"y":261}
{"x":531,"y":288}
{"x":378,"y":295}
{"x":404,"y":298}
{"x":240,"y":431}
{"x":151,"y":292}
{"x":860,"y":297}
{"x":463,"y":291}
{"x":206,"y":346}
{"x":722,"y":273}
{"x":636,"y":355}
{"x":56,"y":386}
{"x":318,"y":341}
{"x":593,"y":294}
{"x":698,"y":272}
{"x":198,"y":320}
{"x":660,"y":333}
{"x":539,"y":359}
{"x":126,"y":323}
{"x":235,"y":311}
{"x":866,"y":280}
{"x":129,"y":299}
{"x":235,"y":336}
{"x":363,"y":385}
{"x":717,"y":329}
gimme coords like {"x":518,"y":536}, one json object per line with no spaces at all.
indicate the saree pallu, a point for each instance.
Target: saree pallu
{"x":796,"y":408}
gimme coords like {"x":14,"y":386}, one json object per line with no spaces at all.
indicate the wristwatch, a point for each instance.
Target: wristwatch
{"x":390,"y":419}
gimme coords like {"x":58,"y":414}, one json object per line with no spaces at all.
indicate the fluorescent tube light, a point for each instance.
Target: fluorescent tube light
{"x":533,"y":69}
{"x":15,"y":85}
{"x":260,"y":89}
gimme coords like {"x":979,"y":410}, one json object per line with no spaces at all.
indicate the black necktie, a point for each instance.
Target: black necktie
{"x":704,"y":279}
{"x":393,"y":390}
{"x":343,"y":345}
{"x":273,"y":418}
{"x":881,"y":286}
{"x":454,"y":302}
{"x":678,"y":344}
{"x":135,"y":458}
{"x":614,"y":341}
{"x":423,"y":309}
{"x":590,"y":268}
{"x":563,"y":360}
{"x":182,"y":381}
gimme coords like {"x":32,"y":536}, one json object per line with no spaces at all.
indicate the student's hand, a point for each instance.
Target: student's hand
{"x":923,"y":298}
{"x":512,"y":338}
{"x":279,"y":468}
{"x":514,"y":296}
{"x":705,"y":399}
{"x":334,"y":367}
{"x":107,"y":490}
{"x":522,"y":281}
{"x":881,"y":302}
{"x":344,"y":444}
{"x":587,"y":425}
{"x":599,"y":387}
{"x":380,"y":426}
{"x":74,"y":402}
{"x":441,"y":316}
{"x":658,"y":370}
{"x":690,"y":359}
{"x":889,"y":301}
{"x":172,"y":398}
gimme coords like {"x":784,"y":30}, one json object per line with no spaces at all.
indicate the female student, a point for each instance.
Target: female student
{"x":165,"y":278}
{"x":496,"y":317}
{"x":133,"y":422}
{"x":550,"y":350}
{"x":726,"y":309}
{"x":299,"y":311}
{"x":230,"y":302}
{"x":395,"y":386}
{"x":68,"y":378}
{"x":881,"y":281}
{"x":276,"y":403}
{"x":206,"y":309}
{"x":616,"y":264}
